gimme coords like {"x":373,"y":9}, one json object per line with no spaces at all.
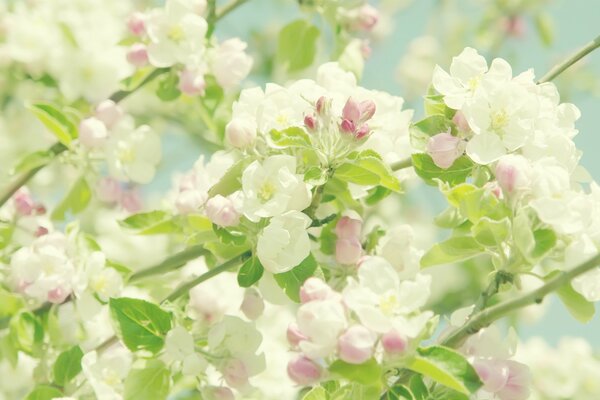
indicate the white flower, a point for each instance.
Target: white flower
{"x":133,"y":153}
{"x":284,"y":243}
{"x":176,"y":35}
{"x":179,"y":346}
{"x":380,"y":300}
{"x":107,"y":371}
{"x":273,"y":187}
{"x":229,"y":63}
{"x":104,"y":281}
{"x":321,"y":321}
{"x":397,"y":248}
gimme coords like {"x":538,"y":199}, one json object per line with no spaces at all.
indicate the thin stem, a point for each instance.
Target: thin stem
{"x":500,"y":277}
{"x":486,"y":316}
{"x":122,"y":94}
{"x":578,"y":55}
{"x":398,"y":165}
{"x":211,"y":17}
{"x":227,"y":8}
{"x":184,"y":288}
{"x":170,"y":264}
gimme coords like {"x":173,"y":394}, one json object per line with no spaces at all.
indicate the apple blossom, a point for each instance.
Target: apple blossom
{"x":356,"y":344}
{"x":136,"y":24}
{"x":240,"y":132}
{"x":444,"y":149}
{"x":229,"y":63}
{"x":393,"y":342}
{"x":221,"y":211}
{"x":315,"y":289}
{"x":92,"y":133}
{"x":106,"y":372}
{"x":191,"y":82}
{"x":253,"y":305}
{"x":137,"y":55}
{"x":303,"y":371}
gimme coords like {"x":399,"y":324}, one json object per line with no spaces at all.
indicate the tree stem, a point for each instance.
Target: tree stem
{"x":170,"y":264}
{"x":398,"y":165}
{"x":486,"y":316}
{"x":578,"y":55}
{"x":227,"y":8}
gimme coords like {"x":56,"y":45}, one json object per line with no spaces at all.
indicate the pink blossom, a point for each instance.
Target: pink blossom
{"x":303,"y":371}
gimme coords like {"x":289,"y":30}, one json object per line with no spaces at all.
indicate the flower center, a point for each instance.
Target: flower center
{"x":499,"y":120}
{"x":176,"y":33}
{"x":126,"y":154}
{"x":473,"y":83}
{"x":281,"y":119}
{"x":388,"y":303}
{"x":266,"y":191}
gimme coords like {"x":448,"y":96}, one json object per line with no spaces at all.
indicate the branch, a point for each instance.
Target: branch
{"x":398,"y":165}
{"x":578,"y":55}
{"x":226,"y":9}
{"x":170,"y":264}
{"x":486,"y":316}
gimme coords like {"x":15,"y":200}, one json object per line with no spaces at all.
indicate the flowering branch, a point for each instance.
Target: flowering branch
{"x":491,"y":314}
{"x":578,"y":55}
{"x":171,"y":263}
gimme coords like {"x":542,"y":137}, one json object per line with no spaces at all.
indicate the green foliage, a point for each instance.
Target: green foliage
{"x":430,"y":173}
{"x":545,"y":28}
{"x":10,"y":303}
{"x":367,"y":168}
{"x":26,"y":332}
{"x":55,"y":121}
{"x":33,"y":160}
{"x":490,"y":233}
{"x":231,"y":180}
{"x":67,"y":365}
{"x":451,"y":250}
{"x":229,"y":235}
{"x":447,"y":367}
{"x":418,"y":388}
{"x":6,"y":231}
{"x":290,"y":137}
{"x":250,"y":272}
{"x":297,"y":45}
{"x":168,"y":87}
{"x":398,"y":392}
{"x":44,"y":392}
{"x":581,"y":309}
{"x":151,"y":382}
{"x":292,"y":280}
{"x":75,"y":201}
{"x":316,"y":393}
{"x":422,"y":130}
{"x":367,"y":373}
{"x":140,"y":324}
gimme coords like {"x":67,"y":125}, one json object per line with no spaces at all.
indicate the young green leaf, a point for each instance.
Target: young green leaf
{"x":167,"y":88}
{"x":290,"y":137}
{"x":447,"y":367}
{"x":151,"y":223}
{"x":151,"y":382}
{"x":140,"y":324}
{"x":398,"y":392}
{"x":26,"y":332}
{"x":67,"y":365}
{"x":250,"y":272}
{"x":581,"y":309}
{"x":297,"y":45}
{"x":292,"y":280}
{"x":55,"y":121}
{"x":429,"y":172}
{"x":451,"y":250}
{"x":44,"y":392}
{"x":75,"y":201}
{"x":491,"y":233}
{"x":316,"y":393}
{"x":231,"y":181}
{"x":367,"y":373}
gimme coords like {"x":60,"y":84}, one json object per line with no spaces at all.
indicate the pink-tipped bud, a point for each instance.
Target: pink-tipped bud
{"x":109,"y":112}
{"x":252,"y":305}
{"x":137,"y":55}
{"x":351,"y":111}
{"x":240,"y":133}
{"x":221,"y":211}
{"x":362,"y":132}
{"x":493,"y":374}
{"x":57,"y":295}
{"x":40,"y":231}
{"x":191,"y":82}
{"x":131,"y":201}
{"x":217,"y":393}
{"x":315,"y":289}
{"x":235,"y":373}
{"x":320,"y":105}
{"x":108,"y":190}
{"x":393,"y":342}
{"x":294,"y":336}
{"x":310,"y":122}
{"x":368,"y":16}
{"x":92,"y":133}
{"x":513,"y":173}
{"x":348,"y":251}
{"x":24,"y":204}
{"x":367,"y":110}
{"x":365,"y":49}
{"x":348,"y":228}
{"x":517,"y":385}
{"x":494,"y":188}
{"x":137,"y":24}
{"x":347,"y":126}
{"x":303,"y":371}
{"x":461,"y":122}
{"x":514,"y":26}
{"x":444,"y":149}
{"x":355,"y":346}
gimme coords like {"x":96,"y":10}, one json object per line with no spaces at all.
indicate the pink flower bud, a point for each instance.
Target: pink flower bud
{"x":221,"y":211}
{"x":444,"y":149}
{"x":109,"y":112}
{"x":513,"y":173}
{"x":355,"y":346}
{"x":294,"y":336}
{"x":461,"y":122}
{"x":240,"y":133}
{"x":191,"y":82}
{"x":367,"y":110}
{"x":57,"y":295}
{"x":218,"y":393}
{"x":252,"y":305}
{"x":351,"y":111}
{"x":368,"y":16}
{"x":348,"y":251}
{"x":24,"y":204}
{"x":315,"y":289}
{"x":517,"y":385}
{"x":310,"y":122}
{"x":514,"y":26}
{"x":320,"y":105}
{"x":40,"y":231}
{"x":494,"y":188}
{"x":108,"y":190}
{"x":393,"y":342}
{"x":137,"y":55}
{"x":303,"y":371}
{"x":137,"y":24}
{"x":493,"y":374}
{"x":235,"y":373}
{"x":365,"y":49}
{"x":362,"y":131}
{"x":92,"y":133}
{"x":348,"y":228}
{"x":131,"y":201}
{"x":347,"y":126}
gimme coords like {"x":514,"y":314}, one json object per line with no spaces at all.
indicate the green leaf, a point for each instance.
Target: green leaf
{"x":451,"y":250}
{"x":75,"y":201}
{"x":315,"y":176}
{"x":141,"y":325}
{"x":449,"y":218}
{"x":44,"y":392}
{"x":231,"y":180}
{"x":434,"y":105}
{"x":491,"y":233}
{"x":229,"y":235}
{"x":290,"y":137}
{"x":6,"y":231}
{"x":447,"y":367}
{"x":372,"y":238}
{"x":367,"y":169}
{"x":291,"y":281}
{"x":250,"y":272}
{"x":167,"y":88}
{"x":26,"y":332}
{"x":316,"y":393}
{"x":55,"y":121}
{"x":421,"y":131}
{"x":545,"y":240}
{"x":10,"y":303}
{"x":428,"y":171}
{"x":581,"y":309}
{"x":151,"y":223}
{"x":398,"y":392}
{"x":475,"y":203}
{"x":33,"y":160}
{"x":545,"y":28}
{"x":297,"y":45}
{"x":367,"y":373}
{"x":67,"y":365}
{"x":151,"y":382}
{"x":418,"y":388}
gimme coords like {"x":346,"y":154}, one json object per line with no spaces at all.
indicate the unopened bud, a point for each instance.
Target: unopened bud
{"x":108,"y":190}
{"x":24,"y":204}
{"x":355,"y":346}
{"x":362,"y":132}
{"x":137,"y":24}
{"x":294,"y":336}
{"x":131,"y":201}
{"x":109,"y":112}
{"x":303,"y":371}
{"x":221,"y":211}
{"x":252,"y":305}
{"x":137,"y":55}
{"x":191,"y":82}
{"x":444,"y":149}
{"x":393,"y":342}
{"x":348,"y":227}
{"x":368,"y":16}
{"x":460,"y":121}
{"x":351,"y":111}
{"x":310,"y":122}
{"x":315,"y":289}
{"x":367,"y":110}
{"x":513,"y":173}
{"x":235,"y":373}
{"x":348,"y":251}
{"x":57,"y":295}
{"x":241,"y":133}
{"x":92,"y":132}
